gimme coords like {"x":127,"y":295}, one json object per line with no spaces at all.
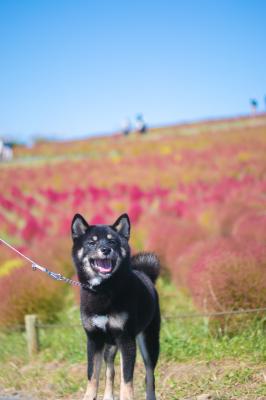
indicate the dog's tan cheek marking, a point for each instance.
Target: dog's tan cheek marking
{"x":93,"y":383}
{"x":87,"y":266}
{"x":123,"y":252}
{"x":126,"y":389}
{"x":86,"y":262}
{"x":80,"y":253}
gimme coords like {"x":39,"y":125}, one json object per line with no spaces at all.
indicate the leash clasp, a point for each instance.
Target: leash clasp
{"x":55,"y":276}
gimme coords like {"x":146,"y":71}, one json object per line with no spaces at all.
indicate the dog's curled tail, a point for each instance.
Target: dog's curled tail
{"x":147,"y":263}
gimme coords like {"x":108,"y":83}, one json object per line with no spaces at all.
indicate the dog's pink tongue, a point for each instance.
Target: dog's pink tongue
{"x":104,"y":265}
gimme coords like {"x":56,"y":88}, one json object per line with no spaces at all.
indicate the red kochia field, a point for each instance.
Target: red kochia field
{"x":196,"y":194}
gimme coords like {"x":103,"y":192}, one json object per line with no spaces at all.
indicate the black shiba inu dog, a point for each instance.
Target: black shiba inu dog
{"x":119,"y":306}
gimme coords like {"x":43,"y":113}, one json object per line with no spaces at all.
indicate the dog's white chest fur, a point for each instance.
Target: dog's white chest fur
{"x":100,"y":321}
{"x":113,"y":321}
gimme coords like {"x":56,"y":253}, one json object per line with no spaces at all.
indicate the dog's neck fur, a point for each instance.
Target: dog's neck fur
{"x":101,"y":299}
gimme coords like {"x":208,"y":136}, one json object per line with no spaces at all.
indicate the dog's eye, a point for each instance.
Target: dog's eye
{"x":91,"y":242}
{"x":112,"y":241}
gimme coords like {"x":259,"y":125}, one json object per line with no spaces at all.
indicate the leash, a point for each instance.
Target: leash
{"x":59,"y":277}
{"x":54,"y":275}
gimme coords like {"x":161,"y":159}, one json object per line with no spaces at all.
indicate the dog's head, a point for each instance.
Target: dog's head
{"x":99,"y":250}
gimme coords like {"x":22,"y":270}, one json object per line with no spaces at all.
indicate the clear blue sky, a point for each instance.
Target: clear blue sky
{"x":75,"y":67}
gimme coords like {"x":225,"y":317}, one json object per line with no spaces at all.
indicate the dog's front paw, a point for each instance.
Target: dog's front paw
{"x":86,"y":397}
{"x":112,"y":397}
{"x":89,"y":396}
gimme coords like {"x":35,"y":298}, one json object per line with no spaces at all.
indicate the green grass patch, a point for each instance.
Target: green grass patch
{"x":193,"y":360}
{"x":181,"y":339}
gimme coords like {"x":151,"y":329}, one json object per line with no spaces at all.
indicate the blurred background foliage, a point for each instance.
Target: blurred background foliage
{"x":197,"y":199}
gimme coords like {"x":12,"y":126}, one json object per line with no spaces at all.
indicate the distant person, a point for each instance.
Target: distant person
{"x":254,"y":106}
{"x":6,"y":152}
{"x":140,"y":124}
{"x":126,"y":126}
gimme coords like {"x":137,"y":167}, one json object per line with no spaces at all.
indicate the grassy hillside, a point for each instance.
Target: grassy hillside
{"x":195,"y":194}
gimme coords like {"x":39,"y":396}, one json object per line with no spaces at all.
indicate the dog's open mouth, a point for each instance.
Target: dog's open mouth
{"x":103,"y":265}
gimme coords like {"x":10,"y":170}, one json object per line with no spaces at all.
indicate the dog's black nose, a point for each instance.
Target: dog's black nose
{"x":106,"y":250}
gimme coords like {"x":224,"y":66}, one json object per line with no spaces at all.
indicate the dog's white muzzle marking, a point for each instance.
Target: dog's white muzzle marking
{"x":87,"y":265}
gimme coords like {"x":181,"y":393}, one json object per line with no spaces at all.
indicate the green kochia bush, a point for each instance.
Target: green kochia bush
{"x":26,"y":292}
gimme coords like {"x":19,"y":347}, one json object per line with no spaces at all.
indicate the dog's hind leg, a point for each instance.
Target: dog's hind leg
{"x":95,"y":355}
{"x":127,"y":347}
{"x":148,"y":342}
{"x":109,"y":358}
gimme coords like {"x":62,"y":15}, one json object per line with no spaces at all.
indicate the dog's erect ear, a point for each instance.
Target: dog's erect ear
{"x":122,"y":226}
{"x":79,"y":226}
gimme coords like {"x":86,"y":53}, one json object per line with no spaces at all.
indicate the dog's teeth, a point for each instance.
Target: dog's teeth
{"x":103,"y":265}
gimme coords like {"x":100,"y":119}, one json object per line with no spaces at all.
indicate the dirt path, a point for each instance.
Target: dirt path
{"x":217,"y":380}
{"x":15,"y":397}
